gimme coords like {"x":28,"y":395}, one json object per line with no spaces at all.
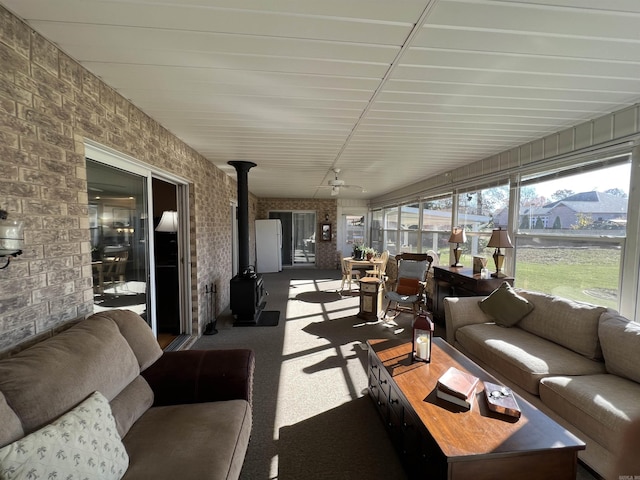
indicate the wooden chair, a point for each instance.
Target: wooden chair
{"x":409,"y":289}
{"x":116,"y":266}
{"x":380,"y":268}
{"x":348,"y":274}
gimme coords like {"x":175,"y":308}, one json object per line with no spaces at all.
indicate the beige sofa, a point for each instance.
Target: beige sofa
{"x":183,"y":414}
{"x":578,"y":363}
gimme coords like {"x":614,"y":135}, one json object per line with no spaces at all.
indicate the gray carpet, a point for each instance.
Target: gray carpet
{"x":313,"y":419}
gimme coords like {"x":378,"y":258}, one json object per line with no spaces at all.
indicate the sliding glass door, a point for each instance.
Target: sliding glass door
{"x":139,"y":239}
{"x":119,"y":238}
{"x":298,"y":237}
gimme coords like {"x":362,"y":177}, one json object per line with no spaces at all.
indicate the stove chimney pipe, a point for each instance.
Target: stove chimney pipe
{"x":242,"y":168}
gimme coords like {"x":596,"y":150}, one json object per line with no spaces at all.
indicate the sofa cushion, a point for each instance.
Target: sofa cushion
{"x":82,"y":443}
{"x":200,"y":440}
{"x":620,"y":341}
{"x":129,"y":405}
{"x":601,"y":406}
{"x":138,"y":334}
{"x":46,"y":380}
{"x":505,"y":306}
{"x":522,"y":357}
{"x":11,"y":427}
{"x":571,"y":324}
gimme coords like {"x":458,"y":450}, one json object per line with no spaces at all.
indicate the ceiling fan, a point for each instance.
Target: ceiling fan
{"x":336,"y":184}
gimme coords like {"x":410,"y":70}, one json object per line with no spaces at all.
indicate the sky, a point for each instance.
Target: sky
{"x":599,"y":180}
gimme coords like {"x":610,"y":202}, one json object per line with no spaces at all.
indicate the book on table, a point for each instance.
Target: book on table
{"x":464,"y":403}
{"x":457,"y":387}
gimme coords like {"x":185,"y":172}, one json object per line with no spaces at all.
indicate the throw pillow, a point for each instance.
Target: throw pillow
{"x":505,"y":306}
{"x":82,"y":443}
{"x":407,"y":286}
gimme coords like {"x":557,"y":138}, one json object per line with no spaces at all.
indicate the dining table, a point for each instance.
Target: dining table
{"x":374,"y":262}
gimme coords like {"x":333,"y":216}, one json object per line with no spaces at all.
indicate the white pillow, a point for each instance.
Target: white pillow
{"x":81,"y":444}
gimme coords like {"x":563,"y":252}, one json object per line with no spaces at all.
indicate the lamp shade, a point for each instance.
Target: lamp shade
{"x":458,"y":235}
{"x":168,"y":222}
{"x":500,"y":239}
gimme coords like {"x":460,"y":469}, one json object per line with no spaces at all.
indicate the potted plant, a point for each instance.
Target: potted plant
{"x":369,"y":253}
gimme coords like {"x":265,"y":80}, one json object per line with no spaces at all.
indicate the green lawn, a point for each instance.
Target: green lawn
{"x":587,"y":275}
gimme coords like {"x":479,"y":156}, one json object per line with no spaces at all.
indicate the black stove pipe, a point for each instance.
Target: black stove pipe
{"x":242,"y":168}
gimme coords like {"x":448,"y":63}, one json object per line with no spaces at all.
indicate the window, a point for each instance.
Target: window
{"x":390,"y":230}
{"x":354,"y":233}
{"x":409,"y":227}
{"x":377,"y":233}
{"x":436,"y":225}
{"x":479,"y":212}
{"x":573,"y":223}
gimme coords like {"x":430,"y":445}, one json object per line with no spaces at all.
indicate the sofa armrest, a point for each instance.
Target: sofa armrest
{"x":461,"y":311}
{"x":195,"y":376}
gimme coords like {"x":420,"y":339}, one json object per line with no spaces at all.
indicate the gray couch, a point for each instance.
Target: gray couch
{"x":578,"y":363}
{"x":184,"y":414}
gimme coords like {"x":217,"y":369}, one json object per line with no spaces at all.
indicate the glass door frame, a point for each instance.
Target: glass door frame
{"x":113,"y":158}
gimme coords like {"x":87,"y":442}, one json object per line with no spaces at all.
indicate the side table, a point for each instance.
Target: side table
{"x":370,"y":298}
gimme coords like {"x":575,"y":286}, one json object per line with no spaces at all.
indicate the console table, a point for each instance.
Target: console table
{"x":459,"y":282}
{"x":436,"y":439}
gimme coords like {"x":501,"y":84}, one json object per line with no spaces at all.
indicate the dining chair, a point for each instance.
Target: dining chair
{"x":116,"y":268}
{"x":348,"y":273}
{"x":380,"y":267}
{"x":409,"y":290}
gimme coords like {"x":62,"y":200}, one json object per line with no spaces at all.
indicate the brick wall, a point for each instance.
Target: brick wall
{"x":326,"y":252}
{"x":49,"y":105}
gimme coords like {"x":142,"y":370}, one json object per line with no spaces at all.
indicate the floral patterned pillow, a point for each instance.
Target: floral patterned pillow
{"x":81,"y":444}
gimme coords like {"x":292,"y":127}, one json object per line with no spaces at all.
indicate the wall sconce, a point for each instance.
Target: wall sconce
{"x":11,"y":238}
{"x":458,"y":236}
{"x":168,"y":222}
{"x":326,"y":217}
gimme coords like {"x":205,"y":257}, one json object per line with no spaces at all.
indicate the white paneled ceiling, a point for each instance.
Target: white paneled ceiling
{"x":389,"y":92}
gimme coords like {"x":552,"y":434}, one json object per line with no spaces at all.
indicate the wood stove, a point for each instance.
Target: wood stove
{"x":247,"y":288}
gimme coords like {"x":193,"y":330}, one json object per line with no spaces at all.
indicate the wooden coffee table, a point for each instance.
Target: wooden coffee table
{"x":437,"y":439}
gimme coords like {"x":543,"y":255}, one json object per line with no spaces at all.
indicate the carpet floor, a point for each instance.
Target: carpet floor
{"x":313,"y":419}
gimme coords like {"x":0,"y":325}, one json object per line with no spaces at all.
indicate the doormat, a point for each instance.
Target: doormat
{"x":267,"y":318}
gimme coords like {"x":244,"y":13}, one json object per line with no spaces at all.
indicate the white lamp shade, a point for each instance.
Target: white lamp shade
{"x":168,"y":222}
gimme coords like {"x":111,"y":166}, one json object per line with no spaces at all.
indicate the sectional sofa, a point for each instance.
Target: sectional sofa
{"x":578,"y":363}
{"x":102,"y":400}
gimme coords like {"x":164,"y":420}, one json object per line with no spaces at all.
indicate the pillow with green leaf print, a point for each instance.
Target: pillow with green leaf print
{"x":82,"y":443}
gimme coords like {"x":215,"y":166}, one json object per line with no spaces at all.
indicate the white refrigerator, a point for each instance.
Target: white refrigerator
{"x":268,"y":246}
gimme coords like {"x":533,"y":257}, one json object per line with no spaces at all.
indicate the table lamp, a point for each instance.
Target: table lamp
{"x":458,"y":236}
{"x":499,"y":239}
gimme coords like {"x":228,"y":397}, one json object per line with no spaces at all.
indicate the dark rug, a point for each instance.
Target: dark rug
{"x":124,"y":300}
{"x":318,"y":297}
{"x":267,"y":318}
